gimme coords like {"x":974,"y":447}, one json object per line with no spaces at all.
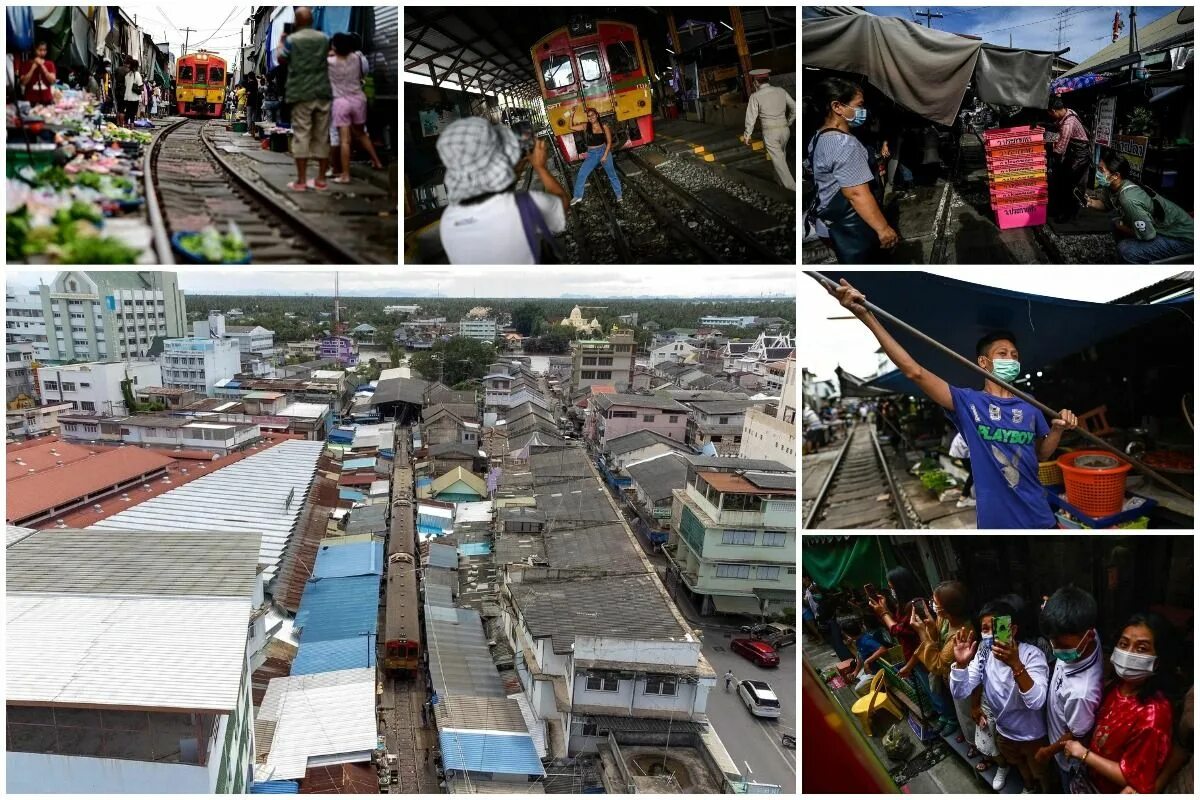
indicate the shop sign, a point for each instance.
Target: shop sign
{"x":1105,"y":115}
{"x":1134,"y":150}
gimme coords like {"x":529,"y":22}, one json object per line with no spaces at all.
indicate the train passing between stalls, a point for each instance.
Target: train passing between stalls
{"x":200,"y":79}
{"x":402,"y":620}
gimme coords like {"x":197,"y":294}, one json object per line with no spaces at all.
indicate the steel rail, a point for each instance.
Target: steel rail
{"x":158,"y":225}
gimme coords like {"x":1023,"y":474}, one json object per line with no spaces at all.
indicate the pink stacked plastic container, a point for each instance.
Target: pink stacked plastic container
{"x":1016,"y":163}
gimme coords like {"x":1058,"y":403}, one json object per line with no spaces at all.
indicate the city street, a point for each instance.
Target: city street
{"x":753,"y":743}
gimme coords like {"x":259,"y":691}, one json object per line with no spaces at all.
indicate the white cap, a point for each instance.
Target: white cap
{"x":759,"y":73}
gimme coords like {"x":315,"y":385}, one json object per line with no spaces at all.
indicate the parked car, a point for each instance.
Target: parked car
{"x":757,"y":651}
{"x":759,"y":698}
{"x":775,"y":634}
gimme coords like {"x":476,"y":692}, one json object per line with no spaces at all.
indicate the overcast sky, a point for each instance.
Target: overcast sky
{"x":216,"y":26}
{"x":1085,"y":29}
{"x":546,"y":281}
{"x":824,"y":343}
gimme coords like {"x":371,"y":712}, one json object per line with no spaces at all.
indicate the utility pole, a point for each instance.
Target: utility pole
{"x":929,"y":17}
{"x":1062,"y":25}
{"x":187,"y":32}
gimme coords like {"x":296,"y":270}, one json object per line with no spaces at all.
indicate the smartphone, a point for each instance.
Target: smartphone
{"x":871,"y":591}
{"x":922,"y":608}
{"x":288,"y":28}
{"x":1002,"y":629}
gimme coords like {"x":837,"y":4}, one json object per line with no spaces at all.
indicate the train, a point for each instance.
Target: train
{"x":200,"y":85}
{"x":600,"y":63}
{"x":402,"y":612}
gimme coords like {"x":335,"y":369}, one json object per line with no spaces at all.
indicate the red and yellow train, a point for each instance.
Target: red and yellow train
{"x":402,"y":615}
{"x":600,"y":64}
{"x":200,"y":80}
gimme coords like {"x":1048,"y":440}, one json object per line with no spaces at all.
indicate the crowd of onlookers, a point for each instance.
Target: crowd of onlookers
{"x":1024,"y":686}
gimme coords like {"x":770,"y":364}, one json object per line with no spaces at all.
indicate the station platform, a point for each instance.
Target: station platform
{"x":720,"y":146}
{"x":360,"y":214}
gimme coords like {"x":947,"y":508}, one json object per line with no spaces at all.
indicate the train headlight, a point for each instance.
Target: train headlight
{"x":641,"y":103}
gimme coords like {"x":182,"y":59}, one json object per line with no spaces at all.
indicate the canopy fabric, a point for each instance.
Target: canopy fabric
{"x":1162,"y":30}
{"x":19,"y":34}
{"x":924,"y":70}
{"x":957,"y":314}
{"x":1009,"y":77}
{"x":854,"y":386}
{"x":852,"y":561}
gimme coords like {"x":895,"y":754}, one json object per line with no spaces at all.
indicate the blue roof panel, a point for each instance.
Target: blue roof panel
{"x":475,"y":548}
{"x":334,"y":654}
{"x":504,"y":753}
{"x":275,"y":787}
{"x":346,"y":560}
{"x":358,"y":463}
{"x":350,"y":494}
{"x":334,"y":608}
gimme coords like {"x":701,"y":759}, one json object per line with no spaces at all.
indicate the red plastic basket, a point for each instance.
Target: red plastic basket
{"x":1096,"y":491}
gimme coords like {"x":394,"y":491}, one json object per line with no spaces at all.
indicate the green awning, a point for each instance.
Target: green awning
{"x":851,"y":561}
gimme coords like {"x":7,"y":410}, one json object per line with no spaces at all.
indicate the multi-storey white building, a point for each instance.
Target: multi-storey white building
{"x":26,"y":423}
{"x":97,"y":316}
{"x":603,"y":361}
{"x":96,"y":387}
{"x":484,"y":329}
{"x":675,"y":352}
{"x":130,"y":702}
{"x":221,"y":436}
{"x":18,"y":372}
{"x":770,"y":432}
{"x":199,"y":363}
{"x":732,"y":544}
{"x":250,"y":338}
{"x":727,"y":322}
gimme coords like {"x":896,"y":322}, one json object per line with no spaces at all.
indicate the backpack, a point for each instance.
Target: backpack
{"x":545,"y":247}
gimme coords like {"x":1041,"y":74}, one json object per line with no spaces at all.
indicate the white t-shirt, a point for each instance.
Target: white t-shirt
{"x":958,"y":447}
{"x":491,"y":232}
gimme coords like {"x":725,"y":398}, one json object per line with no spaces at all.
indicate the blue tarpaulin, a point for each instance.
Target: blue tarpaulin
{"x":957,"y":314}
{"x":19,"y":28}
{"x":331,"y":19}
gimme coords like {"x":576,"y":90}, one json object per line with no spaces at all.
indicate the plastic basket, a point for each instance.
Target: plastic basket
{"x":1021,"y":215}
{"x":1085,"y":520}
{"x":1049,"y":473}
{"x":1097,"y":492}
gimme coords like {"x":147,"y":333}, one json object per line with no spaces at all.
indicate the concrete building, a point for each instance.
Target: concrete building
{"x":733,"y":536}
{"x":18,"y":374}
{"x":615,"y":415}
{"x":131,"y":701}
{"x":713,"y":321}
{"x":640,"y":446}
{"x":199,"y":363}
{"x":96,"y":387}
{"x":250,"y":338}
{"x":770,"y":432}
{"x":401,"y":309}
{"x":484,"y":329}
{"x":97,"y":316}
{"x":607,"y":362}
{"x":718,"y":423}
{"x":153,"y":430}
{"x":675,"y":352}
{"x":27,"y":423}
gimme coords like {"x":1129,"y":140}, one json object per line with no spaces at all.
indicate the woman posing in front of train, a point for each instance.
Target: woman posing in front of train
{"x":598,"y":136}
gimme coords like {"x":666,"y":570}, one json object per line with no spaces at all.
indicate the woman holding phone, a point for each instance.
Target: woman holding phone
{"x":936,"y":650}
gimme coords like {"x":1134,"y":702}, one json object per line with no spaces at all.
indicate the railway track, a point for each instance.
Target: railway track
{"x":190,"y":185}
{"x":859,"y":491}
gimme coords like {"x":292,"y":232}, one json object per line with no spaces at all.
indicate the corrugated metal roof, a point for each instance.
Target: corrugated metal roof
{"x":250,"y":495}
{"x":335,"y":654}
{"x":329,"y":717}
{"x":147,"y":652}
{"x":346,"y":559}
{"x":479,"y":713}
{"x":535,"y":726}
{"x":459,"y":661}
{"x":14,"y":534}
{"x":504,"y":753}
{"x":358,"y":463}
{"x":443,"y":555}
{"x":439,"y":595}
{"x":336,"y":608}
{"x":198,"y":563}
{"x":275,"y":787}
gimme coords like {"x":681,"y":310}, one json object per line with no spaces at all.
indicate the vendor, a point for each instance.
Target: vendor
{"x":1151,"y":227}
{"x":1072,"y":156}
{"x":37,"y":77}
{"x":849,"y":195}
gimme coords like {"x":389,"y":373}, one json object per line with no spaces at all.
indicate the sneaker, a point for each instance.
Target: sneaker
{"x":576,"y":201}
{"x":1000,"y":779}
{"x":965,"y":502}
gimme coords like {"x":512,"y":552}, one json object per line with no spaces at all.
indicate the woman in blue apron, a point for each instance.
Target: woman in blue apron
{"x":849,"y":196}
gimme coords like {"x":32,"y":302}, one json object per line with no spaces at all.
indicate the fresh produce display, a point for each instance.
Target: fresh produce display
{"x":210,"y":246}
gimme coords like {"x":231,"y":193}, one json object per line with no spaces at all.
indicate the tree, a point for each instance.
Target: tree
{"x":527,"y":318}
{"x":555,"y":340}
{"x":454,"y":360}
{"x":395,"y":353}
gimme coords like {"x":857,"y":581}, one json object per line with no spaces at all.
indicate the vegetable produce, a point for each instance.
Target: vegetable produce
{"x":213,"y":247}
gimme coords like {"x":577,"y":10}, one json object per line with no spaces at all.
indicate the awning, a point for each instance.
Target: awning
{"x":854,"y":386}
{"x":736,"y":604}
{"x":924,"y":70}
{"x":958,"y":313}
{"x":1176,"y":27}
{"x":833,"y":561}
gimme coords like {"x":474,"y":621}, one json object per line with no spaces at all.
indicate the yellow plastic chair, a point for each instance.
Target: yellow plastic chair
{"x":876,"y":699}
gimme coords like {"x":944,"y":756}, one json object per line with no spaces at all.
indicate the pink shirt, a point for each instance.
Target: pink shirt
{"x":346,"y":74}
{"x":1070,"y":128}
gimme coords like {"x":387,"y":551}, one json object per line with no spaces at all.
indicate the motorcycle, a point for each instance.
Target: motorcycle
{"x":789,"y":740}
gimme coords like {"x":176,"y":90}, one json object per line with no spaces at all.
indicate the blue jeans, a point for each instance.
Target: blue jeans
{"x":921,"y":679}
{"x":1135,"y":251}
{"x":594,"y":154}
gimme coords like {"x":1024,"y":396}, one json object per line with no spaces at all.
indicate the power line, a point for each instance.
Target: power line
{"x":1038,"y":21}
{"x":219,"y":27}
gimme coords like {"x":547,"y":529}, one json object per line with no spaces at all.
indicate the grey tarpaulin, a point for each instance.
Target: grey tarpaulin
{"x":924,"y":70}
{"x":1013,"y":77}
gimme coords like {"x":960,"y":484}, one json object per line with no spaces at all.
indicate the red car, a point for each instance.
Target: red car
{"x":760,"y":653}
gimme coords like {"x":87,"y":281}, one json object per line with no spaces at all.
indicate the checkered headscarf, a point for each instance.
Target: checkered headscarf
{"x":479,"y":157}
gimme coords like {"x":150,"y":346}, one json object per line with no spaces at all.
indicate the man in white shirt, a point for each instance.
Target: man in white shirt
{"x":484,"y":223}
{"x":777,"y":111}
{"x":1077,"y":685}
{"x":1015,"y":680}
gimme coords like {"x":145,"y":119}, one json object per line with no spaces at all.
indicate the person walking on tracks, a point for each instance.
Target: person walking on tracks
{"x":1006,"y":436}
{"x":305,"y":50}
{"x":776,"y":109}
{"x":599,"y":138}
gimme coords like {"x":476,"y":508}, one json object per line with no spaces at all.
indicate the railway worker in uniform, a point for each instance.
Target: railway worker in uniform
{"x":598,"y":136}
{"x":777,"y":111}
{"x":849,"y":197}
{"x":308,"y":92}
{"x":1006,"y":436}
{"x":487,"y":221}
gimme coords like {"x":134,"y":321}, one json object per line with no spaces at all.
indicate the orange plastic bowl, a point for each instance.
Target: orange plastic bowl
{"x":1095,"y":481}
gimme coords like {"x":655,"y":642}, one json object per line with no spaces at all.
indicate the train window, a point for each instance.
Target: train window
{"x":622,"y":57}
{"x":216,"y":75}
{"x":185,"y":73}
{"x":589,"y":64}
{"x":557,"y":72}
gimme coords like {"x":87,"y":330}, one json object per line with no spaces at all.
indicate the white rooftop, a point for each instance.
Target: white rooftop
{"x":473,"y":512}
{"x":321,"y":719}
{"x":250,"y":495}
{"x":327,"y":374}
{"x":305,"y":410}
{"x":183,"y":653}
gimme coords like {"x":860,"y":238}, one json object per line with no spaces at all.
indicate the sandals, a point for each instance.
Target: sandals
{"x":973,"y":752}
{"x":983,"y":766}
{"x":297,"y":187}
{"x":313,"y":184}
{"x":341,"y":179}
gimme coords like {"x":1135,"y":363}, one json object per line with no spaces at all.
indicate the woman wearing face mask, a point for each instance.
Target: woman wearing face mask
{"x":849,"y":197}
{"x":1014,"y":677}
{"x":1132,"y":739}
{"x":1151,"y":228}
{"x":936,"y":651}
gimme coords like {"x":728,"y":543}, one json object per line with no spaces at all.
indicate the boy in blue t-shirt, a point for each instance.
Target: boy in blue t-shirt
{"x":1007,"y":437}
